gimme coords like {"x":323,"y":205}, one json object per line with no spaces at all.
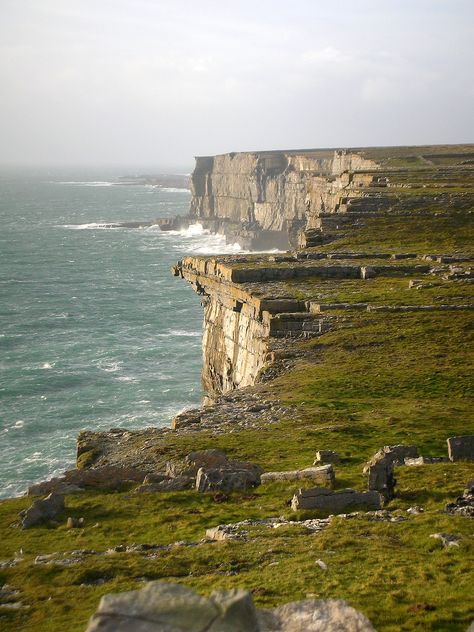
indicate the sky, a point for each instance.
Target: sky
{"x":156,"y":82}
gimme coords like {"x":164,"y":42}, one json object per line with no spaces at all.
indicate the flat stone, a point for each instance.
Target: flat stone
{"x":425,"y":460}
{"x":324,"y":475}
{"x":461,"y":448}
{"x":335,"y":502}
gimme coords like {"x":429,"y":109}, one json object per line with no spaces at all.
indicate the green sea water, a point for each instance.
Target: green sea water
{"x":94,"y":330}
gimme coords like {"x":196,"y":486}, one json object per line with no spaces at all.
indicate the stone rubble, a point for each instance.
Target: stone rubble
{"x":463,"y":505}
{"x":239,"y":530}
{"x":447,"y":539}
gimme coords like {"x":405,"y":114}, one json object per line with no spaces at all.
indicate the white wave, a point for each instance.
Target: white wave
{"x":88,"y":183}
{"x":47,"y":365}
{"x":91,"y":226}
{"x":179,"y":332}
{"x":174,"y":190}
{"x":110,"y":366}
{"x":126,"y":378}
{"x":154,"y":228}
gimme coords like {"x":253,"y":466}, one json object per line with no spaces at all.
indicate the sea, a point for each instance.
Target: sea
{"x":95,"y":332}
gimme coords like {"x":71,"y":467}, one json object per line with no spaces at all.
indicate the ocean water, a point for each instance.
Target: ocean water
{"x":94,"y":330}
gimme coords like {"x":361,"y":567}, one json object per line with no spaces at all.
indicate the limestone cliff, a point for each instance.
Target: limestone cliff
{"x":270,"y":197}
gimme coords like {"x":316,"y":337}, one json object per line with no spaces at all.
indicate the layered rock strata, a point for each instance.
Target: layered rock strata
{"x":249,"y":311}
{"x":301,"y":197}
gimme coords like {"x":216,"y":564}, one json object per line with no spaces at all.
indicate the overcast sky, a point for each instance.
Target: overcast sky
{"x":155,"y":82}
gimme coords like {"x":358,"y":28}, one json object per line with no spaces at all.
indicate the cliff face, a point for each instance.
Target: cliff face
{"x":279,"y":193}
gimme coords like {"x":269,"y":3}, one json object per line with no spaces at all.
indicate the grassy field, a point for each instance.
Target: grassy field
{"x":374,"y":379}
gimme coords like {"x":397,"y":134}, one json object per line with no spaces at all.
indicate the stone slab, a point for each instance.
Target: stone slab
{"x":461,"y":448}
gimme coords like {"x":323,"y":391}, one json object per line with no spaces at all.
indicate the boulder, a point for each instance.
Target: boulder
{"x":326,"y":456}
{"x":324,"y":475}
{"x":42,"y":510}
{"x":160,"y":607}
{"x":335,"y":502}
{"x":233,"y":476}
{"x":381,"y":478}
{"x":314,"y":615}
{"x":186,"y":419}
{"x":461,"y":448}
{"x":380,"y":467}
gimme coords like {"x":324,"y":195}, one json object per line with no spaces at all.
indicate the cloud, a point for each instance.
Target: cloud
{"x":149,"y":81}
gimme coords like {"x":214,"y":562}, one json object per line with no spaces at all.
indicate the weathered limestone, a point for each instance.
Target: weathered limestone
{"x":72,"y":481}
{"x":160,"y":607}
{"x":380,"y":467}
{"x":190,"y":465}
{"x":232,"y":476}
{"x":335,"y":502}
{"x":461,"y":448}
{"x":323,"y":475}
{"x":309,"y":615}
{"x":42,"y":510}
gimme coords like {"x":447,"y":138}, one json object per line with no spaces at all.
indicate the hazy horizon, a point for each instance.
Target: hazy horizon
{"x":148,"y":84}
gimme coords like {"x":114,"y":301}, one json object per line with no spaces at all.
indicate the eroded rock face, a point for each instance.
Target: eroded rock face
{"x":73,"y":481}
{"x":275,"y":192}
{"x":160,"y":607}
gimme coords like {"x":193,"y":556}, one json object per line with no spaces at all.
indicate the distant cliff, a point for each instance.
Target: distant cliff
{"x":270,"y":198}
